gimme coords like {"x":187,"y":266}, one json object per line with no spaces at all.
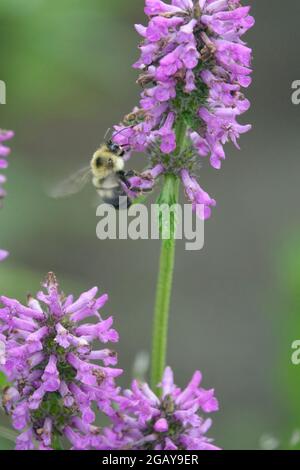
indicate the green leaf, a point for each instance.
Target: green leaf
{"x":8,"y":434}
{"x":3,"y":381}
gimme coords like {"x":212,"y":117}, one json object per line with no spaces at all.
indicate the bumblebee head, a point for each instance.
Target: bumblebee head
{"x":105,"y":162}
{"x":115,"y":148}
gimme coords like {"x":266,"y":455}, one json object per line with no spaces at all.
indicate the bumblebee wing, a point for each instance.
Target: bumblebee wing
{"x":72,"y":185}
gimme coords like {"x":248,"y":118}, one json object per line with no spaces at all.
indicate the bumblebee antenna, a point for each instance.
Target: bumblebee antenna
{"x":110,"y":142}
{"x":122,"y":130}
{"x":107,"y":132}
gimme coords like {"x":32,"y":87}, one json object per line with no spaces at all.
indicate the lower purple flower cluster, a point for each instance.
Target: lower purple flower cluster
{"x":172,"y":422}
{"x":49,"y":362}
{"x":46,"y":352}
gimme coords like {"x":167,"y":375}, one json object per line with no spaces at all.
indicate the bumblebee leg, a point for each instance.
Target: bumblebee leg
{"x":131,"y":173}
{"x":140,"y":190}
{"x":136,"y":190}
{"x":123,"y":177}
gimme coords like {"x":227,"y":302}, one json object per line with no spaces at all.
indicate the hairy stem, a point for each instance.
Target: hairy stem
{"x":169,"y":196}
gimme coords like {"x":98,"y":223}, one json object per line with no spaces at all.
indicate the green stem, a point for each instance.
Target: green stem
{"x":169,"y":196}
{"x":56,"y":442}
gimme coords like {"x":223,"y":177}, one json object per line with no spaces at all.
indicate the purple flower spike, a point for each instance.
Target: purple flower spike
{"x":193,"y":66}
{"x":4,"y":152}
{"x":49,"y":360}
{"x":174,"y":421}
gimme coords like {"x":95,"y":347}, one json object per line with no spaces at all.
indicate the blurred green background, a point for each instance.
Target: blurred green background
{"x":236,"y":304}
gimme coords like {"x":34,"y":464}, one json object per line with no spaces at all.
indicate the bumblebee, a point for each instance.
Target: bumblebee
{"x":106,"y":171}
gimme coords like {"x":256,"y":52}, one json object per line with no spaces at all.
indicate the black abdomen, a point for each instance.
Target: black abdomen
{"x":116,"y":197}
